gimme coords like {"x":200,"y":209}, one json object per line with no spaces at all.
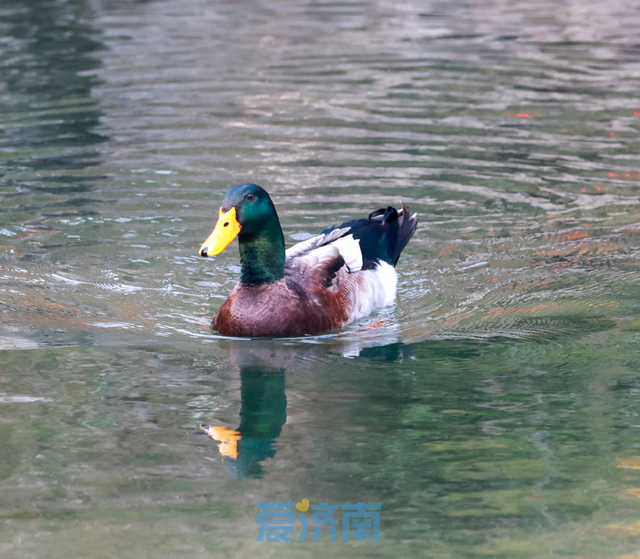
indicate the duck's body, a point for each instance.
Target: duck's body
{"x":301,"y":302}
{"x":318,"y":285}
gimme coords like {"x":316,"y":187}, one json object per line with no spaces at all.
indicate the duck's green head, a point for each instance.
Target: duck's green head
{"x":248,"y":213}
{"x":247,"y":210}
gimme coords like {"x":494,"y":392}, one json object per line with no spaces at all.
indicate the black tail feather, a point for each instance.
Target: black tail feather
{"x":407,"y":224}
{"x":383,"y":235}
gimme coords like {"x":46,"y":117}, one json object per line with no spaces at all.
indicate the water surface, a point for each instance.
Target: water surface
{"x":493,"y":412}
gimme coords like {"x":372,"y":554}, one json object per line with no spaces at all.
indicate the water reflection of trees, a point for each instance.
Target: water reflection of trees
{"x":467,"y":434}
{"x":47,"y":62}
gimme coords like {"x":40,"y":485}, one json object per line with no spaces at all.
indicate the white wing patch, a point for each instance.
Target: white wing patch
{"x":329,"y":246}
{"x":349,"y":249}
{"x":314,"y":242}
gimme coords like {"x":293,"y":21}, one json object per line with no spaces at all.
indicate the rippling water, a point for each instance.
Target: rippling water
{"x":492,"y":412}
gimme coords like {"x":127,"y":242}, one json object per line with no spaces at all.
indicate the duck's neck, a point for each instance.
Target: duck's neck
{"x":262,"y":255}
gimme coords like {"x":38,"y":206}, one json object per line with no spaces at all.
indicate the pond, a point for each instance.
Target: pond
{"x":492,"y":412}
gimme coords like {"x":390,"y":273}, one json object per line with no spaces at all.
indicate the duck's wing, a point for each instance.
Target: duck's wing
{"x":326,"y":249}
{"x":357,"y":245}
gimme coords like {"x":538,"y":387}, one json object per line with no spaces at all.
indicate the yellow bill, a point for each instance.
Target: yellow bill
{"x":225,"y":231}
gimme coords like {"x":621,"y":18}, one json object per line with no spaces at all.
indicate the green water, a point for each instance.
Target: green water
{"x":493,"y":412}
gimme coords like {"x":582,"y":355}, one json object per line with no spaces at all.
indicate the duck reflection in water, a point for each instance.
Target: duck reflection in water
{"x":263,"y":401}
{"x":263,"y":406}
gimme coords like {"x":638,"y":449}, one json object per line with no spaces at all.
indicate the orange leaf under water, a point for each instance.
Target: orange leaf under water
{"x":632,"y":463}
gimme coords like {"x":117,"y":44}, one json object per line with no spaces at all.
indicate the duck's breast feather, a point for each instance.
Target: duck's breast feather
{"x":288,"y":307}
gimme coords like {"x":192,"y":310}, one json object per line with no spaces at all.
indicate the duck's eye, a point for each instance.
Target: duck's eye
{"x":250,"y":197}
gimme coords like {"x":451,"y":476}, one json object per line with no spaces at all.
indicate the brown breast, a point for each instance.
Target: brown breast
{"x":291,"y":307}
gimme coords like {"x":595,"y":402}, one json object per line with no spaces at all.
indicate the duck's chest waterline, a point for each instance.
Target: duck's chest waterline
{"x":279,"y":309}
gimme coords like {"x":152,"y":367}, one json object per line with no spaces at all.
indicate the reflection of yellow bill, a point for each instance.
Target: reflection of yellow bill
{"x":227,"y":438}
{"x":225,"y":231}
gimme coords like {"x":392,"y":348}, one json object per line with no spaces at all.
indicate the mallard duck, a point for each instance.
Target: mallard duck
{"x":320,"y":284}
